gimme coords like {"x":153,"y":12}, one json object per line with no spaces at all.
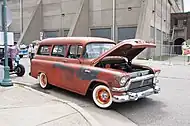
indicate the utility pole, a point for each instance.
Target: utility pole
{"x":6,"y":81}
{"x":114,"y":21}
{"x":161,"y":30}
{"x":154,"y":25}
{"x":21,"y":16}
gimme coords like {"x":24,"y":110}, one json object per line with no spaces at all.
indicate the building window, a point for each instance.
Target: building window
{"x":185,"y":22}
{"x":66,"y":32}
{"x":59,"y":51}
{"x":16,"y":36}
{"x":101,"y":32}
{"x":175,"y":22}
{"x":51,"y":34}
{"x":126,"y":33}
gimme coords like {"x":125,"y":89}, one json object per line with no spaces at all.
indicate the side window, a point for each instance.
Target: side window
{"x":75,"y":51}
{"x":44,"y":50}
{"x":59,"y":50}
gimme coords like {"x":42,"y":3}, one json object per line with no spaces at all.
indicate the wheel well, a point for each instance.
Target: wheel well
{"x":94,"y":84}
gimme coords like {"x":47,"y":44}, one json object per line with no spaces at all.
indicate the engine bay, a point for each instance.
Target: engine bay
{"x":122,"y":63}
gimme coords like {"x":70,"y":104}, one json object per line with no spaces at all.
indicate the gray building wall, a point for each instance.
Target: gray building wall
{"x":134,"y":18}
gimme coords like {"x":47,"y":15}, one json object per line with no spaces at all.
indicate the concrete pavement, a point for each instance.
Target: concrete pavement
{"x":23,"y":106}
{"x":157,"y":110}
{"x":104,"y":117}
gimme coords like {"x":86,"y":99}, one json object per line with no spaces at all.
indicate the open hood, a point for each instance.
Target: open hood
{"x":127,"y":48}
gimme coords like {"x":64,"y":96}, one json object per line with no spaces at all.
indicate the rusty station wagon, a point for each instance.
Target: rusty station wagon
{"x":95,"y":65}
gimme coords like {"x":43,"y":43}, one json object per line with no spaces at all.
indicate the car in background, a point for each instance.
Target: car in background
{"x":23,"y":50}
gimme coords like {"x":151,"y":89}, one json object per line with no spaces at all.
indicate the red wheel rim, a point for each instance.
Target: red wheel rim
{"x":103,"y":96}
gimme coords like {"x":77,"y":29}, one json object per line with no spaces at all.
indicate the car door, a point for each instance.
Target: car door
{"x":73,"y":65}
{"x":65,"y":67}
{"x":59,"y":71}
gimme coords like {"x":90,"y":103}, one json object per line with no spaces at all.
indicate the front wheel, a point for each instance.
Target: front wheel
{"x":102,"y":96}
{"x":20,"y":70}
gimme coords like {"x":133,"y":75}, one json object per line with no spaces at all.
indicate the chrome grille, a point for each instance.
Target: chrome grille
{"x":141,"y":83}
{"x":141,"y":89}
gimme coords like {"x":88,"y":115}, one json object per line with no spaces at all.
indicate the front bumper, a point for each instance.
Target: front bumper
{"x":130,"y":96}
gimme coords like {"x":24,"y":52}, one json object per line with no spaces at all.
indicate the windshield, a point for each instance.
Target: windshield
{"x":94,"y":50}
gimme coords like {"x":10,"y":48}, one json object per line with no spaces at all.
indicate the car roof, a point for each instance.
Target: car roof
{"x":78,"y":40}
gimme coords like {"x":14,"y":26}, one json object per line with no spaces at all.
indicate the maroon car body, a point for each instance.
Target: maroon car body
{"x":95,"y":65}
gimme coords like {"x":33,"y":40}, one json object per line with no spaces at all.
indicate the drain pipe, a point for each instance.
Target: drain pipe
{"x":114,"y":21}
{"x":21,"y":16}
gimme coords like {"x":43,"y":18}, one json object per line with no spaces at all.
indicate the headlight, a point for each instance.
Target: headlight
{"x":123,"y":81}
{"x":156,"y":77}
{"x":157,"y":73}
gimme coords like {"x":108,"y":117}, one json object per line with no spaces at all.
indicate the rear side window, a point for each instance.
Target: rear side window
{"x":75,"y":51}
{"x":44,"y":50}
{"x":59,"y":50}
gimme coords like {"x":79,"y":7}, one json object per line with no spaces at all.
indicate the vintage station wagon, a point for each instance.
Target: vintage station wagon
{"x":95,"y":65}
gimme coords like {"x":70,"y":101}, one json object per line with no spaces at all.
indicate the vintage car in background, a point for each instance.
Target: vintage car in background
{"x":95,"y":65}
{"x":23,"y":50}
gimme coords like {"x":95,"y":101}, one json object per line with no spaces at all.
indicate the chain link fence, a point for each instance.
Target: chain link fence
{"x":171,"y":54}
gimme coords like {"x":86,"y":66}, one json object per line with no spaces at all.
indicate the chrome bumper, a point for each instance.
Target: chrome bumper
{"x":130,"y":96}
{"x":121,"y":89}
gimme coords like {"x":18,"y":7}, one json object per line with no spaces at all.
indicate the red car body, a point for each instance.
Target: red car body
{"x":96,"y":65}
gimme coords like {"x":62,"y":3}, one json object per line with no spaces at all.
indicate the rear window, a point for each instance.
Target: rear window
{"x":44,"y":50}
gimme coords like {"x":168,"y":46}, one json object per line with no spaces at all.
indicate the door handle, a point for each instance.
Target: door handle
{"x":64,"y":60}
{"x":87,"y":71}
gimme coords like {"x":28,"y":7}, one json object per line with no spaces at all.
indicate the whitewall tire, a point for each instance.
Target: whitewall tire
{"x":102,"y":96}
{"x":43,"y":80}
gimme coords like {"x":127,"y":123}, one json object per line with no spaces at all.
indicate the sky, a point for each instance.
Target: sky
{"x":187,"y":5}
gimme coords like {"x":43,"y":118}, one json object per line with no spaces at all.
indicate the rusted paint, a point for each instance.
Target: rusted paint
{"x":81,"y":74}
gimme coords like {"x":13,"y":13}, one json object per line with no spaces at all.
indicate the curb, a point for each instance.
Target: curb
{"x":85,"y":114}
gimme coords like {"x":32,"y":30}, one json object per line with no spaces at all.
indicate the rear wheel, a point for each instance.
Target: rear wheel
{"x":43,"y":80}
{"x":102,"y":96}
{"x":20,"y":70}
